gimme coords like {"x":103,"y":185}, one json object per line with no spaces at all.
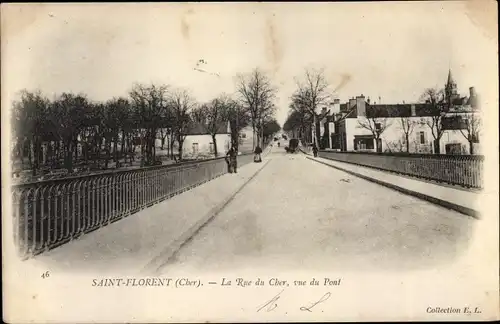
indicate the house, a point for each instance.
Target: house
{"x":351,"y":126}
{"x":199,"y":143}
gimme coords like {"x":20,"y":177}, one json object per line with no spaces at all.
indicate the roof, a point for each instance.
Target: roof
{"x":196,"y":128}
{"x":391,"y":110}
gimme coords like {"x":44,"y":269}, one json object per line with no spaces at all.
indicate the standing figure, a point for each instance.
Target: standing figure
{"x":279,"y":144}
{"x":231,"y":159}
{"x":315,"y":150}
{"x":257,"y":158}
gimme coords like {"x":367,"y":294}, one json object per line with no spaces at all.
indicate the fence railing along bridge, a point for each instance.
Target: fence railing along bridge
{"x":461,"y":170}
{"x":53,"y":212}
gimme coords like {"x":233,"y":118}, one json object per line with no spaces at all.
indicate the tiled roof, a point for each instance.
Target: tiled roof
{"x":394,"y":110}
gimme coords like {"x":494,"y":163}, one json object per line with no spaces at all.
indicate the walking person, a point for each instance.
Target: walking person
{"x":231,"y":159}
{"x":315,"y":150}
{"x":257,"y":158}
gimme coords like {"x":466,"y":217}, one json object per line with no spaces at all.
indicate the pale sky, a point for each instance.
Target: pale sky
{"x":391,"y":50}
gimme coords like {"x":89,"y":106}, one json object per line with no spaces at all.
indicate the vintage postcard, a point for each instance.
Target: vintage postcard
{"x":250,"y":162}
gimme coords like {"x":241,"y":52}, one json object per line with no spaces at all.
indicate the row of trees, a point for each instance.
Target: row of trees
{"x":73,"y":130}
{"x":313,"y":92}
{"x":72,"y":120}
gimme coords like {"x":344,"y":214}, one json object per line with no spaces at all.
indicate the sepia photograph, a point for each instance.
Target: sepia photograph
{"x":250,"y":162}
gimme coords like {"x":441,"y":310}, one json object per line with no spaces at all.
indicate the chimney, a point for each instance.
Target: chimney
{"x":368,"y":100}
{"x":360,"y":105}
{"x":472,"y":92}
{"x":336,"y":106}
{"x":352,"y":102}
{"x":413,"y":113}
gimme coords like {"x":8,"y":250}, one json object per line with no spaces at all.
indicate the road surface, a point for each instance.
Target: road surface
{"x":302,"y":214}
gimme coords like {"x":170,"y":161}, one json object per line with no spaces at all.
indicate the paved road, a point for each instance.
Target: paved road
{"x":298,"y":213}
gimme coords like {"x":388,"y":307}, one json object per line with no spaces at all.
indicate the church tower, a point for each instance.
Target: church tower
{"x":450,"y":88}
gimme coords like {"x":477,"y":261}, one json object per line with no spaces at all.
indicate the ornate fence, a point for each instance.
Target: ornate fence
{"x":49,"y":213}
{"x":463,"y":170}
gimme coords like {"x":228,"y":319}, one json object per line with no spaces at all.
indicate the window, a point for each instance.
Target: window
{"x":422,"y":137}
{"x":195,"y":148}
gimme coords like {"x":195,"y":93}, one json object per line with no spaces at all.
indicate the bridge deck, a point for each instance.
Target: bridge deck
{"x":288,"y":211}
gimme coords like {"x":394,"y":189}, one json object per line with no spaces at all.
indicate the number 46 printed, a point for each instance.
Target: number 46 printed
{"x":46,"y":274}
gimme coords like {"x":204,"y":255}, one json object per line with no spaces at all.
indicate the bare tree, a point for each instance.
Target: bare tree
{"x":68,"y":115}
{"x":310,"y":94}
{"x":181,"y":103}
{"x":239,"y":118}
{"x":30,"y":120}
{"x":376,"y":121}
{"x":407,"y":126}
{"x":298,"y":120}
{"x":213,"y":117}
{"x":257,"y":96}
{"x":436,"y":108}
{"x":150,"y":103}
{"x":471,"y":128}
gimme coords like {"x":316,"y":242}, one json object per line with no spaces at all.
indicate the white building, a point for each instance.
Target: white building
{"x":199,"y":143}
{"x":353,"y":126}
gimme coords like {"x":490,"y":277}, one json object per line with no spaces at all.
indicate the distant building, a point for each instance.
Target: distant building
{"x":246,"y":140}
{"x":199,"y":143}
{"x":340,"y":126}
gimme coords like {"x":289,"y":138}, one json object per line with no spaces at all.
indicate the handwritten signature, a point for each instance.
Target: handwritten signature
{"x":273,"y":303}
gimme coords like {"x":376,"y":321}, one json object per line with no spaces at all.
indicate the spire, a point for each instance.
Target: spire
{"x":451,"y":86}
{"x":450,"y":78}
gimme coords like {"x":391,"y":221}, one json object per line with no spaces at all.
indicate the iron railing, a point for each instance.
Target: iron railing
{"x":462,"y":170}
{"x":49,"y":213}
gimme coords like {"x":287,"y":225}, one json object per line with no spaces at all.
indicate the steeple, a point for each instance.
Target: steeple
{"x":451,"y":83}
{"x":450,"y":87}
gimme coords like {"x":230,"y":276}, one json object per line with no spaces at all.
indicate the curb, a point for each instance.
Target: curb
{"x":162,"y":259}
{"x":443,"y":203}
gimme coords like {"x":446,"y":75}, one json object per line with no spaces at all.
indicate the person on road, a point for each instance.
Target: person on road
{"x":315,"y":150}
{"x":279,"y":144}
{"x":231,"y":159}
{"x":257,"y":158}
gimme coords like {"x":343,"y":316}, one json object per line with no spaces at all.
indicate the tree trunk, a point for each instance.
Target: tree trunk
{"x":107,"y":148}
{"x":115,"y":148}
{"x":407,"y":137}
{"x":172,"y":141}
{"x":168,"y":146}
{"x":180,"y":140}
{"x":437,"y":146}
{"x":75,"y":147}
{"x":69,"y":156}
{"x":36,"y":153}
{"x":471,"y":148}
{"x":215,"y":145}
{"x":123,"y":144}
{"x":378,"y":144}
{"x":315,"y":140}
{"x":253,"y":137}
{"x":30,"y":159}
